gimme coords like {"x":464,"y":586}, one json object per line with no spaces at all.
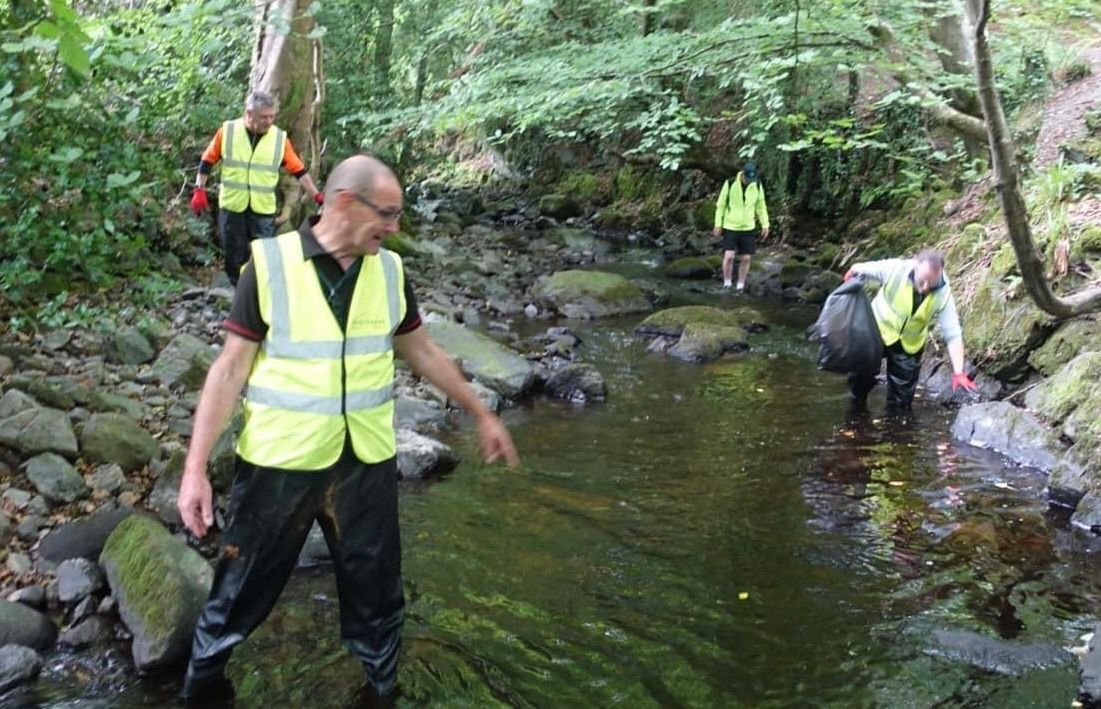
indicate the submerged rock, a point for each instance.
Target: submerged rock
{"x":577,"y":382}
{"x":994,"y":654}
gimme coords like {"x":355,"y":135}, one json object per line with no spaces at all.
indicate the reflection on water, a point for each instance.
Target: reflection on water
{"x":725,"y":535}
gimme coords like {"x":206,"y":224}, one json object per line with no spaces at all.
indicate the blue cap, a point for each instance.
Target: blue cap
{"x":750,"y":171}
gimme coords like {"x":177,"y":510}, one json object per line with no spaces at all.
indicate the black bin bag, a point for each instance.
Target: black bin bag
{"x":848,"y":338}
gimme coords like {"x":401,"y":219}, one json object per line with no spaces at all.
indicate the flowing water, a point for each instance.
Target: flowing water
{"x":723,"y":535}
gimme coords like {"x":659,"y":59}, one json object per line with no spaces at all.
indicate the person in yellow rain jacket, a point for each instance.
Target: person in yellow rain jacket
{"x":316,"y":320}
{"x":251,"y":150}
{"x":740,"y":208}
{"x":914,"y":295}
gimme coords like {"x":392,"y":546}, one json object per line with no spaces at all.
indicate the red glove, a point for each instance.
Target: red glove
{"x":319,"y":198}
{"x":962,"y":380}
{"x":848,"y":275}
{"x":198,"y":201}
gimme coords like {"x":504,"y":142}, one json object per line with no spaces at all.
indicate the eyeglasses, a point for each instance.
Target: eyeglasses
{"x":388,"y":215}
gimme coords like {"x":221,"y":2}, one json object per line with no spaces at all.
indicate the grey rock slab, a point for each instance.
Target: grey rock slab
{"x":55,"y":478}
{"x":77,"y":579}
{"x":82,"y":537}
{"x":18,"y":665}
{"x":21,"y":625}
{"x":93,"y":630}
{"x":39,"y":430}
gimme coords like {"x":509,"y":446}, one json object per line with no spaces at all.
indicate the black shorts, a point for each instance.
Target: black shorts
{"x":743,"y":243}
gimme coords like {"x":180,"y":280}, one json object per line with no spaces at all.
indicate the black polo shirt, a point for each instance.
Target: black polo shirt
{"x":244,"y":315}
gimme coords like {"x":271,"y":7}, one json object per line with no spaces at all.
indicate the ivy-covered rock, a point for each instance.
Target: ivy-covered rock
{"x":691,"y":267}
{"x":590,"y":294}
{"x":160,"y":585}
{"x":671,"y":322}
{"x":1072,"y":338}
{"x":115,"y":438}
{"x":483,"y":358}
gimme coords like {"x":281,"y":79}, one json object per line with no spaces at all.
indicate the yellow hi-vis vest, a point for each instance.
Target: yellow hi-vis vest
{"x":250,"y":175}
{"x":894,"y":312}
{"x":311,"y":383}
{"x":737,"y":206}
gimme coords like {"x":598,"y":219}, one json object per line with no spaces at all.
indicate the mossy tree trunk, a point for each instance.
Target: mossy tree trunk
{"x":1008,"y":186}
{"x":286,"y":62}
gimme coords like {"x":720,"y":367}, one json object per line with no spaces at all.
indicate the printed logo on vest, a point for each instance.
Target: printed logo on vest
{"x":367,"y":321}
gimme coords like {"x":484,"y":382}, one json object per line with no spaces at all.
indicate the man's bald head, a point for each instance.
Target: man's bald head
{"x":361,"y":174}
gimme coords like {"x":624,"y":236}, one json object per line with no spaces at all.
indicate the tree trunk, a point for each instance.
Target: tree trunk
{"x":649,"y":19}
{"x":1008,"y":186}
{"x":384,"y":49}
{"x":957,"y":57}
{"x":286,"y":62}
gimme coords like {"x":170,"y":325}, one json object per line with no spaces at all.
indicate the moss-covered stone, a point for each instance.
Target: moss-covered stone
{"x":559,"y":206}
{"x":703,"y":342}
{"x":1071,"y":339}
{"x":1071,"y":398}
{"x":671,"y":322}
{"x":590,"y":294}
{"x":826,"y":255}
{"x":691,"y":267}
{"x":483,"y":358}
{"x":1089,"y":240}
{"x":633,"y":184}
{"x":1004,"y":262}
{"x":650,"y":216}
{"x":585,"y":187}
{"x":795,"y":272}
{"x":1001,"y":331}
{"x":160,"y":585}
{"x":116,"y":438}
{"x":614,"y":216}
{"x":701,"y":215}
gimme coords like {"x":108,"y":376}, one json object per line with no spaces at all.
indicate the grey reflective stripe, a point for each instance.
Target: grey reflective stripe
{"x":313,"y":404}
{"x":390,"y":275}
{"x":227,"y":153}
{"x":246,"y":186}
{"x":277,"y":153}
{"x":368,"y":398}
{"x":279,"y":343}
{"x":248,"y":166}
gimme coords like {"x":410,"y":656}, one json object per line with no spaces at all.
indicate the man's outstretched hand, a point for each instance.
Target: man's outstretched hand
{"x":196,"y":503}
{"x":962,"y":380}
{"x":496,"y":443}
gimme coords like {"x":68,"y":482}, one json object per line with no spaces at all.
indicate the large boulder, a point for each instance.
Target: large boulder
{"x":184,"y":361}
{"x":420,"y":456}
{"x":1071,"y":399}
{"x":20,"y":625}
{"x":1002,"y":331}
{"x":484,"y":359}
{"x":1013,"y":432}
{"x":39,"y":430}
{"x":559,"y":206}
{"x":704,"y":342}
{"x":116,"y":438}
{"x":691,"y":267}
{"x":160,"y":585}
{"x":671,"y":322}
{"x":54,"y":478}
{"x":577,"y":382}
{"x":82,"y":537}
{"x":1071,"y":339}
{"x":590,"y":294}
{"x":18,"y":665}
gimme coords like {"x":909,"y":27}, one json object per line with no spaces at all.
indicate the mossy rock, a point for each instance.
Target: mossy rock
{"x":1004,"y":262}
{"x":1093,"y":122}
{"x":484,"y":359}
{"x":1089,"y":240}
{"x":117,"y":438}
{"x":826,"y":255}
{"x":160,"y":585}
{"x":585,"y":187}
{"x":1001,"y":332}
{"x":1072,"y":398}
{"x":633,"y":184}
{"x":715,"y":261}
{"x":559,"y":206}
{"x":1071,"y":339}
{"x":672,"y":322}
{"x":701,"y":215}
{"x":795,"y":272}
{"x":691,"y":267}
{"x":590,"y":294}
{"x":614,"y":216}
{"x":650,"y":216}
{"x":704,"y":342}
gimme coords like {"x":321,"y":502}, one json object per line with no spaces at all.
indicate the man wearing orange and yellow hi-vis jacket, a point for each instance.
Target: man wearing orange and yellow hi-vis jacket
{"x":251,"y":149}
{"x":316,"y":320}
{"x":914,"y":294}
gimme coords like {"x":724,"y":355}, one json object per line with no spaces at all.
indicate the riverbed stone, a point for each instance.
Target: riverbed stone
{"x":33,"y":596}
{"x":1071,"y":400}
{"x":1072,"y":338}
{"x":1004,"y":329}
{"x":1013,"y":432}
{"x":93,"y":630}
{"x":991,"y":654}
{"x":6,"y":530}
{"x":704,"y":342}
{"x":165,"y":495}
{"x":420,"y":456}
{"x":108,"y":478}
{"x":692,"y":267}
{"x":483,"y":358}
{"x":39,"y":430}
{"x":82,"y":537}
{"x":590,"y":294}
{"x":77,"y":579}
{"x":559,"y":206}
{"x":418,"y":414}
{"x":128,"y":345}
{"x":184,"y":361}
{"x":116,"y":438}
{"x":110,"y":402}
{"x":18,"y":665}
{"x":55,"y":478}
{"x":577,"y":382}
{"x":671,"y":322}
{"x":22,"y":625}
{"x":48,"y":391}
{"x":160,"y":585}
{"x":14,"y":401}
